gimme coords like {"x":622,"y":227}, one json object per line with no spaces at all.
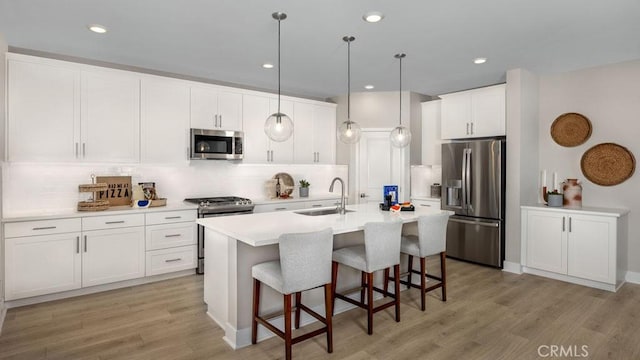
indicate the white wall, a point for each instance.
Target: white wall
{"x":35,"y":188}
{"x":522,"y":154}
{"x":609,"y":96}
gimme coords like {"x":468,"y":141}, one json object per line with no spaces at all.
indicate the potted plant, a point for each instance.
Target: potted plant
{"x":304,"y":188}
{"x":554,"y":199}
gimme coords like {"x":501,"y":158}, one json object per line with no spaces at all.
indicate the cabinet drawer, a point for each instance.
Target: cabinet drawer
{"x":41,"y":227}
{"x":170,"y":235}
{"x":282,"y":206}
{"x":433,"y":204}
{"x":322,"y":203}
{"x":112,"y":221}
{"x":170,"y":260}
{"x":166,"y":217}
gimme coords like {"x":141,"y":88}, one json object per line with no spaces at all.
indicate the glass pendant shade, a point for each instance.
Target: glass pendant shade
{"x":400,"y":137}
{"x":278,"y":127}
{"x":349,"y":132}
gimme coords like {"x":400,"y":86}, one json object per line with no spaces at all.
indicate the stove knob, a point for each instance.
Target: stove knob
{"x":206,"y":203}
{"x":237,"y":202}
{"x":248,"y":202}
{"x":201,"y":203}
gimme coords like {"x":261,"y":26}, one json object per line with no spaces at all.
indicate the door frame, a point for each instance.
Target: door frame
{"x":401,"y":175}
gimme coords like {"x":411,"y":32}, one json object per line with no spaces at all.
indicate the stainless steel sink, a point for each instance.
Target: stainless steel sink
{"x":320,"y":212}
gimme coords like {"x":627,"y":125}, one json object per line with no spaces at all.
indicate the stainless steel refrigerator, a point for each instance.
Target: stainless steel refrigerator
{"x":473,"y":184}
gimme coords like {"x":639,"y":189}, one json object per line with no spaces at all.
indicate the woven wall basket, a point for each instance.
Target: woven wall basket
{"x":571,"y":129}
{"x":608,"y":164}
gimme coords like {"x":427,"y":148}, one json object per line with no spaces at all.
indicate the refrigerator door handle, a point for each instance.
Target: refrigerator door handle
{"x":468,"y":182}
{"x":464,"y":179}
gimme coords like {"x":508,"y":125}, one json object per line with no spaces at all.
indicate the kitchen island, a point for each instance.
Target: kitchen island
{"x":233,"y":244}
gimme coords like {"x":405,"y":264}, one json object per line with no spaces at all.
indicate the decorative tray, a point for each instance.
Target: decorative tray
{"x":608,"y":164}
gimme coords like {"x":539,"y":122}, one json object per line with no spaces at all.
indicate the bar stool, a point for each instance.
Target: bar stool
{"x":381,"y":250}
{"x":305,"y":263}
{"x":431,"y":240}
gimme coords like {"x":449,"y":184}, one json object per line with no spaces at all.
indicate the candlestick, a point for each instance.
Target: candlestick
{"x":543,"y":181}
{"x":555,"y":181}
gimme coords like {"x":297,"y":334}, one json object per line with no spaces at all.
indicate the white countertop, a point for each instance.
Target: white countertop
{"x":265,"y":228}
{"x":114,"y":210}
{"x":326,"y":196}
{"x":585,"y":210}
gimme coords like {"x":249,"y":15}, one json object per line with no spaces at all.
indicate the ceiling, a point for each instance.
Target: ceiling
{"x":228,"y":40}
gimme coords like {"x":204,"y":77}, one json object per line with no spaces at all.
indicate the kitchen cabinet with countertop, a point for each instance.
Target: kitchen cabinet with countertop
{"x":587,"y":246}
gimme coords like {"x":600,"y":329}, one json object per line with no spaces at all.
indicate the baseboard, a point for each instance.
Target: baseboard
{"x":3,"y":313}
{"x":511,"y":267}
{"x":632,"y":277}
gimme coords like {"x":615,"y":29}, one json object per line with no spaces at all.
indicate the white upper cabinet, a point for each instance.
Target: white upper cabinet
{"x":165,"y":120}
{"x":110,"y":117}
{"x":258,"y":147}
{"x":431,"y":142}
{"x":215,"y":108}
{"x":43,"y":112}
{"x":474,"y":113}
{"x":60,"y":112}
{"x":314,"y":133}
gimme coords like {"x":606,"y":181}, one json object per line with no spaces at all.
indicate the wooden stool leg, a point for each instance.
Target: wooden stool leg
{"x":423,"y":285}
{"x":287,"y":326}
{"x":443,"y":275}
{"x":396,"y":274}
{"x":334,"y":282}
{"x":298,"y":302}
{"x":386,"y":282}
{"x":370,"y":303}
{"x":328,"y":296}
{"x":256,"y":308}
{"x":410,"y":262}
{"x":363,"y":283}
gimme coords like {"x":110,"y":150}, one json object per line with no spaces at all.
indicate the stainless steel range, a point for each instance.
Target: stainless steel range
{"x":217,"y":206}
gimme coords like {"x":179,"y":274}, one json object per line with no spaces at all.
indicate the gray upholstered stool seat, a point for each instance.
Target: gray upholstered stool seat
{"x":381,"y":250}
{"x":304,"y":264}
{"x":431,"y":240}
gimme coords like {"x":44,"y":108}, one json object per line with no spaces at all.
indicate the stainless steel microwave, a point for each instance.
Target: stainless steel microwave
{"x":216,"y":144}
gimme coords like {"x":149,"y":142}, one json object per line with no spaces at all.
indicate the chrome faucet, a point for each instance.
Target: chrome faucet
{"x":342,"y":208}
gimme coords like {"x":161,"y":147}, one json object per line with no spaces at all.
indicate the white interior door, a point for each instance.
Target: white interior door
{"x":378,"y":164}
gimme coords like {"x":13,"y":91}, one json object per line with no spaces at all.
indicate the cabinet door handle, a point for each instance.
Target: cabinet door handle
{"x":282,"y":208}
{"x":569,"y":223}
{"x":267,"y":155}
{"x":114,"y":222}
{"x":563,"y":218}
{"x":44,"y":228}
{"x":76,"y":150}
{"x":467,"y":128}
{"x":172,"y":235}
{"x":427,"y":205}
{"x":77,"y":244}
{"x":215,"y":120}
{"x":84,"y":149}
{"x":316,"y":205}
{"x":172,"y":260}
{"x":220,"y":120}
{"x":172,"y":217}
{"x":85,"y":243}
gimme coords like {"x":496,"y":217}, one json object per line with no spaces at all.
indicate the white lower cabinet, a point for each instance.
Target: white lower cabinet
{"x":44,"y":264}
{"x":433,"y":204}
{"x":580,"y":246}
{"x":171,"y":242}
{"x":285,"y":205}
{"x":50,"y":256}
{"x":112,"y":255}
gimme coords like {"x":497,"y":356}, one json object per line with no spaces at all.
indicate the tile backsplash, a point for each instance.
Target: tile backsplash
{"x":30,"y":188}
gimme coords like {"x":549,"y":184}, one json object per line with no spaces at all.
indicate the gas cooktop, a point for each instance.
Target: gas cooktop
{"x":222,"y":204}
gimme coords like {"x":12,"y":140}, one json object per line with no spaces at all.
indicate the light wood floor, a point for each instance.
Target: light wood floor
{"x":489,"y":315}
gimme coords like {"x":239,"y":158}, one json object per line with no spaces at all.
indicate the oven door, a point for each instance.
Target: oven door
{"x":216,"y":144}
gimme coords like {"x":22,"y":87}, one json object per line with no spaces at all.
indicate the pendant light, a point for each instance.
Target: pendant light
{"x":400,"y":136}
{"x":278,"y":126}
{"x":349,"y":131}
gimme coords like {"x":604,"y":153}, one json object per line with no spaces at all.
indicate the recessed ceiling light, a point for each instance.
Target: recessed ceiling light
{"x":373,"y":16}
{"x":97,"y":28}
{"x":267,"y":66}
{"x":369,"y":87}
{"x":479,"y":60}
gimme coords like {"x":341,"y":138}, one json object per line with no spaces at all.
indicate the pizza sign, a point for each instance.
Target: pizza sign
{"x":118,"y":190}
